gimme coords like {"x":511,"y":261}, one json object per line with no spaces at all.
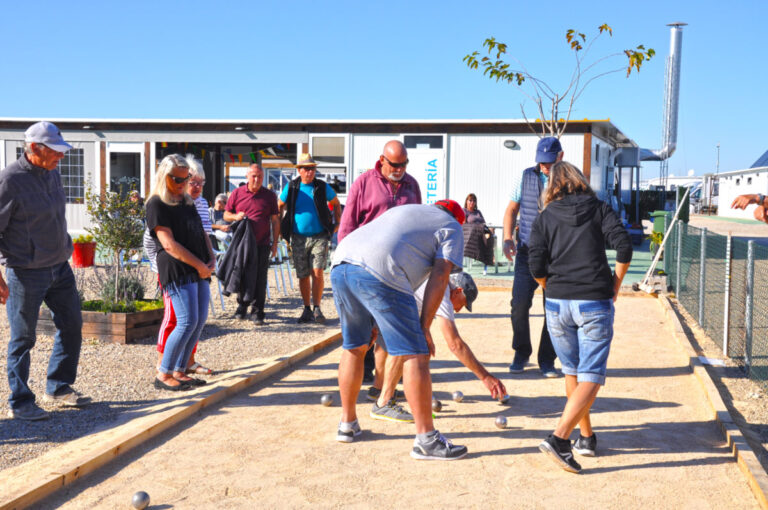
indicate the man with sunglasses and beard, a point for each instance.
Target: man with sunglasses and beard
{"x":379,"y":189}
{"x":34,"y":248}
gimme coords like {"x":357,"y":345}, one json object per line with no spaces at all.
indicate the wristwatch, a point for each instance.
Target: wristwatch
{"x":760,"y":199}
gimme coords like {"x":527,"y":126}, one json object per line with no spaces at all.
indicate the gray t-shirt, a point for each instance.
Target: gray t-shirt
{"x":399,"y":247}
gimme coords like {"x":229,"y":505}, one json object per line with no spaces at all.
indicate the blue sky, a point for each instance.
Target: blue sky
{"x":395,"y":59}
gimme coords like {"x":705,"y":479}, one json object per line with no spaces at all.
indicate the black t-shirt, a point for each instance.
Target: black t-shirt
{"x":187,"y":229}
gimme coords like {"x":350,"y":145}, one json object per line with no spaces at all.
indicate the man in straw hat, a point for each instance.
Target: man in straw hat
{"x":307,"y":224}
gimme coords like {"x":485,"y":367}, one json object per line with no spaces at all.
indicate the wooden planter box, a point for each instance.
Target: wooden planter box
{"x":110,"y":327}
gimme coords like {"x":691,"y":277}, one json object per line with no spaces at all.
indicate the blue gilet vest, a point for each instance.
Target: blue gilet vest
{"x":529,"y":202}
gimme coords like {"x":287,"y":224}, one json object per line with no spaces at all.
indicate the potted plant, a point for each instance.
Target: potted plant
{"x":84,"y":250}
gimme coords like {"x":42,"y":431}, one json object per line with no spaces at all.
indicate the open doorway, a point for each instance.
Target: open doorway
{"x":124,"y":172}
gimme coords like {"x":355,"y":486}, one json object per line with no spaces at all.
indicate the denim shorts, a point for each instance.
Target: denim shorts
{"x":581,"y":333}
{"x":361,"y":300}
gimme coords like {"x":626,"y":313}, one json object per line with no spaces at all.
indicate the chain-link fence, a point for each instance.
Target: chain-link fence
{"x":723,"y":284}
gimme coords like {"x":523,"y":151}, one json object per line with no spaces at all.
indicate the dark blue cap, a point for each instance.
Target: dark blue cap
{"x":548,"y":149}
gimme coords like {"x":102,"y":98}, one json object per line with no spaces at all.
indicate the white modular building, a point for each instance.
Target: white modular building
{"x":449,"y":158}
{"x":739,"y":182}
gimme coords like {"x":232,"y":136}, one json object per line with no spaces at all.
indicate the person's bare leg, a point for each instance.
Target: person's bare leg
{"x":393,"y":371}
{"x":418,"y":391}
{"x":580,"y":400}
{"x":585,"y":424}
{"x":318,"y":283}
{"x":380,"y":356}
{"x":350,"y":380}
{"x":304,"y":287}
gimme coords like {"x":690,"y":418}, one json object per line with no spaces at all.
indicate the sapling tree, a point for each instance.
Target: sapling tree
{"x":551,"y":102}
{"x":117,"y":225}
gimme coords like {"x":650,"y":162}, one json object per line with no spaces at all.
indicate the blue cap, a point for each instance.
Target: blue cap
{"x":548,"y":149}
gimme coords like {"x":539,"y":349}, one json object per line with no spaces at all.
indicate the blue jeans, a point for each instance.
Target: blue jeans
{"x":28,"y":289}
{"x":522,"y":298}
{"x":190,"y":304}
{"x":362,"y":299}
{"x":581,"y":331}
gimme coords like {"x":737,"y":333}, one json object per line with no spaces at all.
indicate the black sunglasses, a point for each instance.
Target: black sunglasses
{"x":179,"y":180}
{"x":396,"y":165}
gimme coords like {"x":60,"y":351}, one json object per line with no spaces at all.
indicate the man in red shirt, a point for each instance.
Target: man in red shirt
{"x":259,"y":206}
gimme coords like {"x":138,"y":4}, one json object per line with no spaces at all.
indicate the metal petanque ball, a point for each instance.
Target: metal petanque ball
{"x":326,"y":400}
{"x":458,"y":396}
{"x":505,"y":399}
{"x":140,"y":500}
{"x":437,"y":406}
{"x":501,"y":422}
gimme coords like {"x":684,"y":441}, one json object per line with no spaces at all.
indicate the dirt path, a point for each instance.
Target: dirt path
{"x":273,"y":447}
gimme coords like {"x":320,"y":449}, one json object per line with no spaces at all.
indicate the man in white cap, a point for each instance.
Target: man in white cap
{"x":35,"y":248}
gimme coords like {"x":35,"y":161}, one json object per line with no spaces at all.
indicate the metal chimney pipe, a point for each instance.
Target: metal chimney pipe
{"x":671,"y":97}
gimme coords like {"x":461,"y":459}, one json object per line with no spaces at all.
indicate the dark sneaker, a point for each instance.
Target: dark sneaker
{"x":306,"y":317}
{"x":391,"y":412}
{"x":549,"y":371}
{"x":347,"y":436}
{"x":439,"y":448}
{"x":586,"y":446}
{"x":318,"y":315}
{"x":259,"y":317}
{"x":518,"y":365}
{"x":374,"y":393}
{"x":29,"y":412}
{"x":71,"y":399}
{"x":561,"y":455}
{"x":240,"y":312}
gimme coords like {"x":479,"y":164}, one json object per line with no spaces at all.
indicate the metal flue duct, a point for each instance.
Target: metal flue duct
{"x":671,"y":98}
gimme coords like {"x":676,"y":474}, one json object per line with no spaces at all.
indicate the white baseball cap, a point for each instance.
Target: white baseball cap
{"x":47,"y":134}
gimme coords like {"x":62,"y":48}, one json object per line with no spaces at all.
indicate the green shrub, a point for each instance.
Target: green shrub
{"x":83,"y":239}
{"x":129,"y":288}
{"x":97,"y":305}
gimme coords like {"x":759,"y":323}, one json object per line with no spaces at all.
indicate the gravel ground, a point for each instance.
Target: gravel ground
{"x":119,"y":377}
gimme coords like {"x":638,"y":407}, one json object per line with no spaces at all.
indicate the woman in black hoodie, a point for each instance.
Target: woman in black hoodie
{"x":567,"y":257}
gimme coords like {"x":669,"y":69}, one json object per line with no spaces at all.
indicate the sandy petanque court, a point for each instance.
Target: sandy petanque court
{"x":272,"y":446}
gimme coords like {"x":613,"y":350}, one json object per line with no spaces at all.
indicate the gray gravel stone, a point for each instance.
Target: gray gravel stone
{"x":119,"y":377}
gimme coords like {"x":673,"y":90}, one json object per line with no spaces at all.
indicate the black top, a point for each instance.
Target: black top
{"x":567,"y":246}
{"x":187,"y":229}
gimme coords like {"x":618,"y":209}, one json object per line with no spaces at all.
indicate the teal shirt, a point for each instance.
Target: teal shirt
{"x":305,"y":220}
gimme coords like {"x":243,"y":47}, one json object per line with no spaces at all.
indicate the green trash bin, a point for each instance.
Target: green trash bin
{"x":661,"y":221}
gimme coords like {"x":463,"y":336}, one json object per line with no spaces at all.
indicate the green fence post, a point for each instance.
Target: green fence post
{"x":749,"y":305}
{"x":678,"y":289}
{"x":702,"y":274}
{"x":726,"y":302}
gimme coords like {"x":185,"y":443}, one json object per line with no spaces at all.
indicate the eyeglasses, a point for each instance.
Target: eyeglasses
{"x":179,"y":180}
{"x":195,"y":183}
{"x":396,"y":165}
{"x":308,"y":168}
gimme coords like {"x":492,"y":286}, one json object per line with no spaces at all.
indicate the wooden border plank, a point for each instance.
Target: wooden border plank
{"x":38,"y":479}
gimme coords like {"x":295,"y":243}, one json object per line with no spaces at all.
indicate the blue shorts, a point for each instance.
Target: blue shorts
{"x":361,"y":300}
{"x":581,"y":333}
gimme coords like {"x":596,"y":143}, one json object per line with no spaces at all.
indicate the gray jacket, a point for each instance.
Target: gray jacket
{"x":33,"y":225}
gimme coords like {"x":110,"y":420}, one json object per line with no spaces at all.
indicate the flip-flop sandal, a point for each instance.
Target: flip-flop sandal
{"x":198,"y":369}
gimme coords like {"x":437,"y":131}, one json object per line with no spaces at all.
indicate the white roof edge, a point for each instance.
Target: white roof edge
{"x":737,"y":172}
{"x":282,"y":121}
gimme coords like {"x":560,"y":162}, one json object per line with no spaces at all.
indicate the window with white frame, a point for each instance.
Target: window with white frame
{"x":330,"y":154}
{"x":72,"y":171}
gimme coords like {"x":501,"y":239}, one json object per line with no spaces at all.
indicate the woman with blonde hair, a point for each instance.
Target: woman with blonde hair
{"x":184,"y":262}
{"x":567,"y":258}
